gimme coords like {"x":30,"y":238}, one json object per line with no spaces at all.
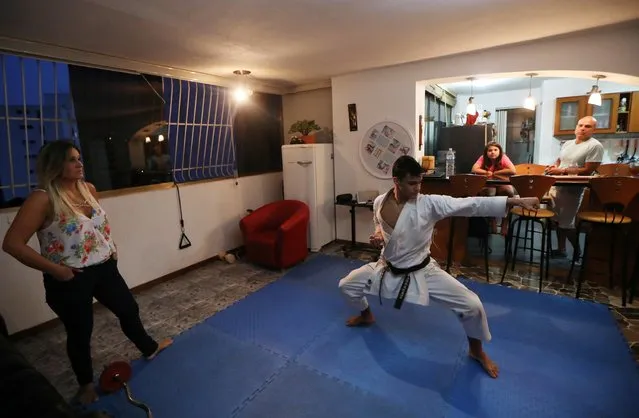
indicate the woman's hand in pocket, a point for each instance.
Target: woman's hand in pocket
{"x":64,"y":273}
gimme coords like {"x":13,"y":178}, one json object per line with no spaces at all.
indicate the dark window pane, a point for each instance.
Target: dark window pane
{"x":124,"y":108}
{"x":3,"y":108}
{"x":21,"y":158}
{"x":14,"y":85}
{"x":5,"y":160}
{"x":184,"y":98}
{"x":32,"y":96}
{"x":258,"y":135}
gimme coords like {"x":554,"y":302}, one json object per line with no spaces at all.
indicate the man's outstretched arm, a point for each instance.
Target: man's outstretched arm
{"x":436,"y":207}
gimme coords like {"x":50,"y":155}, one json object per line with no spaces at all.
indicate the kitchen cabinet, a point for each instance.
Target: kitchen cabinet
{"x":606,"y":114}
{"x":633,"y":114}
{"x":568,"y":111}
{"x":618,"y":113}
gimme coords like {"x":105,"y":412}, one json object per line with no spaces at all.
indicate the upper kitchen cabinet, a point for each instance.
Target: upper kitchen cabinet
{"x":568,"y":111}
{"x":618,"y":113}
{"x":606,"y":114}
{"x":633,"y":113}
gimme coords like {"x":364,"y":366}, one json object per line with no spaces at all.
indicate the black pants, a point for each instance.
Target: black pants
{"x":72,"y":301}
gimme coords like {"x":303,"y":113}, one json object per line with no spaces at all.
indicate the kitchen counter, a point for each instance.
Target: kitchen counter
{"x":600,"y":242}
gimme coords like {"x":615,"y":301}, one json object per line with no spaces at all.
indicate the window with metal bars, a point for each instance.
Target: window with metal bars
{"x":200,"y":130}
{"x":35,"y":108}
{"x":132,"y":129}
{"x":130,"y":132}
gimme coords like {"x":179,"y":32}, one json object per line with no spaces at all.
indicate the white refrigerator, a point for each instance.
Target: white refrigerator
{"x":308,"y":176}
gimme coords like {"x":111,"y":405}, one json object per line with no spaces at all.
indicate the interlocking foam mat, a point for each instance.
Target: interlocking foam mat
{"x":284,"y":351}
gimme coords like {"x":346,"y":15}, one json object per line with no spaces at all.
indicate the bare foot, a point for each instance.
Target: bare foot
{"x":161,"y":346}
{"x":86,"y":394}
{"x":491,"y":368}
{"x":361,"y":320}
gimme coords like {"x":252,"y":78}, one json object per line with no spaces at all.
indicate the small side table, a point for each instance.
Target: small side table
{"x":354,"y":245}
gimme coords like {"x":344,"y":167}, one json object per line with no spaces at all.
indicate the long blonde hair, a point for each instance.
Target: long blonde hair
{"x":49,"y":168}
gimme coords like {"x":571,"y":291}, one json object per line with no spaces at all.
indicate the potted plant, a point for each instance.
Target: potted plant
{"x":305,"y":127}
{"x":296,"y":140}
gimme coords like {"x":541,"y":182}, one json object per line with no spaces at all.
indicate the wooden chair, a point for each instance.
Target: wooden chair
{"x":530,"y":186}
{"x":467,"y":185}
{"x":614,"y":194}
{"x":614,"y":170}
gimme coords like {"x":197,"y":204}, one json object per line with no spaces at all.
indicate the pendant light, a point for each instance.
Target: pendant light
{"x":242,"y":92}
{"x":529,"y":103}
{"x":471,"y":109}
{"x":595,"y":94}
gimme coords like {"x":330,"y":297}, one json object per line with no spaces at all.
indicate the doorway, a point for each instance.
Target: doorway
{"x":516,"y":133}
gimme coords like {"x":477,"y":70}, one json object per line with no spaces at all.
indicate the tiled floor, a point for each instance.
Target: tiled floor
{"x":172,"y":307}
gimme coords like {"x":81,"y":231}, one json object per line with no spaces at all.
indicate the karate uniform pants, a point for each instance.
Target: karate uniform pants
{"x":442,"y":288}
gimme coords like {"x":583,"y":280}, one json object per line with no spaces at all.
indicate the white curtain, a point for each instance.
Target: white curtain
{"x":500,"y":125}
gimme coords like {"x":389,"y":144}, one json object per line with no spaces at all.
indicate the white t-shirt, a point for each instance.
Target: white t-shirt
{"x":577,"y":155}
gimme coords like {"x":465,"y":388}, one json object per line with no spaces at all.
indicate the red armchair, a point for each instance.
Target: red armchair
{"x":275,"y":235}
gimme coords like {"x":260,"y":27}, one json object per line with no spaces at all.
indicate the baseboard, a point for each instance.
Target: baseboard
{"x":137,"y":289}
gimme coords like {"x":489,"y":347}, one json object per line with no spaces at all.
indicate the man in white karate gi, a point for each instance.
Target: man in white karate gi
{"x":404,"y":221}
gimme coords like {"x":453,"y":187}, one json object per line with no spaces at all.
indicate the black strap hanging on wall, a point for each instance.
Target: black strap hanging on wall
{"x":185,"y":242}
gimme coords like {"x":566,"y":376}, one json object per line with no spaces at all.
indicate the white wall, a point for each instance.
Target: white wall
{"x":312,"y":105}
{"x":392,"y":100}
{"x":145,"y":227}
{"x":390,"y":93}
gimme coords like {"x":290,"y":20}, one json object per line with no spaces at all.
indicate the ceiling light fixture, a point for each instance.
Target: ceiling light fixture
{"x":471,"y":109}
{"x":595,"y":94}
{"x":529,"y":103}
{"x":242,"y":92}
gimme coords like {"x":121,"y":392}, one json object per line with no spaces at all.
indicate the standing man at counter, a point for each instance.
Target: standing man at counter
{"x":580,"y":156}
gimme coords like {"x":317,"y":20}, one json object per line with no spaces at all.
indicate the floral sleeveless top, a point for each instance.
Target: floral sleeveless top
{"x":78,"y":240}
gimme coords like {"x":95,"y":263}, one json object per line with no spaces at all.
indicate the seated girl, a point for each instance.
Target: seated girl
{"x":495,"y":163}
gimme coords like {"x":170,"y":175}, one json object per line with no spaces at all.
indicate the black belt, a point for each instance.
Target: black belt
{"x":405,"y":283}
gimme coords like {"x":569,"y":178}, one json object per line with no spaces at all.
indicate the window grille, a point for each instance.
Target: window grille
{"x":35,"y":108}
{"x":200,"y":130}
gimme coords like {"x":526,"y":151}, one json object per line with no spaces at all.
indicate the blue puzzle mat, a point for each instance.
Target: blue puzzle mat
{"x":284,"y":351}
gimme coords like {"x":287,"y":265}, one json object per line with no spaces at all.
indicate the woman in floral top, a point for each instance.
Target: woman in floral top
{"x":77,"y":257}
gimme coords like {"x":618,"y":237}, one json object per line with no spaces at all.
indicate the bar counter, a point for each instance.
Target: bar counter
{"x":600,"y":239}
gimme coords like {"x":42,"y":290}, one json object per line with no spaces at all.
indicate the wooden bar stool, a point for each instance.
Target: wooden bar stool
{"x":530,"y":186}
{"x":537,"y":170}
{"x":467,"y":185}
{"x":614,"y":194}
